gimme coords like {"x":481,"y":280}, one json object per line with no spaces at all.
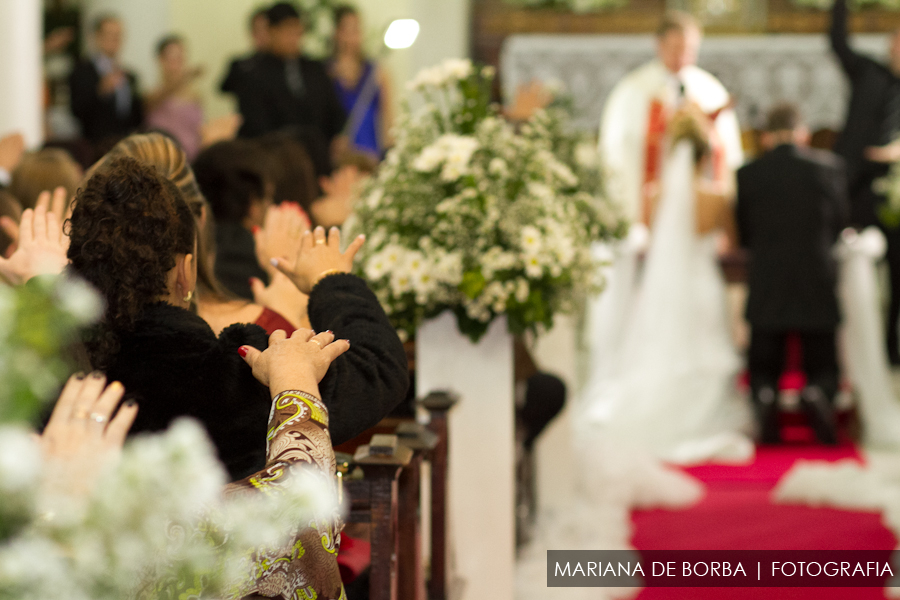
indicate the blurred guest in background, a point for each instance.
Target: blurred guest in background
{"x":234,"y":180}
{"x":791,"y":207}
{"x":241,"y":68}
{"x":293,"y":168}
{"x":362,"y":86}
{"x":287,"y":91}
{"x":873,"y":121}
{"x":45,"y":169}
{"x":105,"y":96}
{"x":174,"y":106}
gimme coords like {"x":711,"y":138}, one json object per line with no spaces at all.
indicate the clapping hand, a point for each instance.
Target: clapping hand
{"x":298,"y":362}
{"x":884,"y":154}
{"x":280,"y":235}
{"x":12,"y":147}
{"x":83,"y":436}
{"x":319,"y":255}
{"x":282,"y":296}
{"x":42,"y":245}
{"x":110,"y":82}
{"x":55,"y":204}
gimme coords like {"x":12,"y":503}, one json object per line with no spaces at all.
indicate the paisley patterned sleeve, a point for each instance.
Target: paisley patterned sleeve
{"x":306,"y":565}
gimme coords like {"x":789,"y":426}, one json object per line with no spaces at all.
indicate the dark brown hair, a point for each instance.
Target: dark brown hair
{"x":676,"y":20}
{"x":692,"y":126}
{"x":128,"y":225}
{"x":783,"y":117}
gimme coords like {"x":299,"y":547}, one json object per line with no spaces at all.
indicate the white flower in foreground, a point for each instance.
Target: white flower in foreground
{"x":374,"y":199}
{"x":79,"y":299}
{"x":430,"y":158}
{"x":522,"y":289}
{"x":458,"y":156}
{"x":497,"y":166}
{"x":19,"y":460}
{"x":457,"y":68}
{"x":586,"y":155}
{"x":533,"y":267}
{"x":531,"y":240}
{"x":376,"y":267}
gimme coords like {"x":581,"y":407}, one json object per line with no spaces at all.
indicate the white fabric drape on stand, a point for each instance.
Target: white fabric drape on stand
{"x":864,"y":355}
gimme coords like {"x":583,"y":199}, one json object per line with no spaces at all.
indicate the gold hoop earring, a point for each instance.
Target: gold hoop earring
{"x":190,"y":295}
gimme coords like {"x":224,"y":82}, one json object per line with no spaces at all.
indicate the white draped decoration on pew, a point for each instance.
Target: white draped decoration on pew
{"x":481,"y":459}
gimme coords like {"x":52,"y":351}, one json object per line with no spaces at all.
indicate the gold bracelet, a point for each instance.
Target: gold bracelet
{"x":325,"y":274}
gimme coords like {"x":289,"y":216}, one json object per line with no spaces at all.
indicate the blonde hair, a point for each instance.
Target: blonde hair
{"x":162,"y":153}
{"x":691,"y":125}
{"x":44,"y":170}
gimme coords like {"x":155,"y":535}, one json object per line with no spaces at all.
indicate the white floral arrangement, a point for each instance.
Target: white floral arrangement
{"x":467,"y":214}
{"x":155,"y":524}
{"x":318,"y":18}
{"x":578,"y":6}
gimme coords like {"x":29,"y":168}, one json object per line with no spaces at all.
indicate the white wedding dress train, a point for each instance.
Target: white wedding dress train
{"x":661,"y":376}
{"x":660,"y":387}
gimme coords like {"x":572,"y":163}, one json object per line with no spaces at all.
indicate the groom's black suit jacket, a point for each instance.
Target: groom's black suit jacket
{"x":791,"y":207}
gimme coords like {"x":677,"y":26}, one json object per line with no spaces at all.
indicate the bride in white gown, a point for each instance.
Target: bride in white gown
{"x":663,"y":376}
{"x":661,"y":386}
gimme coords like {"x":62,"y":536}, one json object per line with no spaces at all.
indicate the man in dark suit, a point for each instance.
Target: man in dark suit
{"x":287,"y":91}
{"x":104,"y":96}
{"x":791,"y":207}
{"x":237,"y":80}
{"x":873,"y":121}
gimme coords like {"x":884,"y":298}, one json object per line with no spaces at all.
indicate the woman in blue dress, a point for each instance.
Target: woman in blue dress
{"x":362,"y":86}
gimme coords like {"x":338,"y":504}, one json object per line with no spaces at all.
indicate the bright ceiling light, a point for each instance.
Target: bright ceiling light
{"x":402,"y":33}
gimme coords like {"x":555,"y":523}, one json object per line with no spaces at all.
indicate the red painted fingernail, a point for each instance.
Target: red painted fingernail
{"x":242,"y":351}
{"x":255,"y":229}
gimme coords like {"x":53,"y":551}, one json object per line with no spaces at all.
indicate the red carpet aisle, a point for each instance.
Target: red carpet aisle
{"x":737,"y":514}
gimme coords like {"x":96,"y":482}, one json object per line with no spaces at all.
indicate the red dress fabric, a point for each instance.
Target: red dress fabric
{"x":272,"y":321}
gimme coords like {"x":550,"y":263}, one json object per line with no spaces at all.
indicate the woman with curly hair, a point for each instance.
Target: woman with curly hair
{"x":133,"y":237}
{"x":132,"y":234}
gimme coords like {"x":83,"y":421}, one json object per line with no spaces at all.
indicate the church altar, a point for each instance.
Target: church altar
{"x":759,"y":70}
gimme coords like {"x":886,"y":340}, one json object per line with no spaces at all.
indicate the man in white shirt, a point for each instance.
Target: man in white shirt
{"x":637,"y":112}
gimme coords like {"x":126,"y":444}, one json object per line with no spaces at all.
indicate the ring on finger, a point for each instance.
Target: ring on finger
{"x":316,"y":342}
{"x":98,"y":418}
{"x":80,"y":413}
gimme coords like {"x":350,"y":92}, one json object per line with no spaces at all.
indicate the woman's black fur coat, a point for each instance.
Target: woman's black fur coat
{"x":174,"y":365}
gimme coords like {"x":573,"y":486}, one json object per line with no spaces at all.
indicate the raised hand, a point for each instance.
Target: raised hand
{"x":82,"y":435}
{"x":884,"y":154}
{"x":282,"y":296}
{"x":12,"y":147}
{"x":280,"y":234}
{"x":110,"y":82}
{"x":319,"y":255}
{"x":42,"y":245}
{"x":296,"y":363}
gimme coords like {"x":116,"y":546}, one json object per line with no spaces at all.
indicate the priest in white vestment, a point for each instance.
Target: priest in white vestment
{"x":638,"y":110}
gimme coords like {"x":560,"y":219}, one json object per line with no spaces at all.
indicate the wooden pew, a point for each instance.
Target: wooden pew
{"x":387,"y":499}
